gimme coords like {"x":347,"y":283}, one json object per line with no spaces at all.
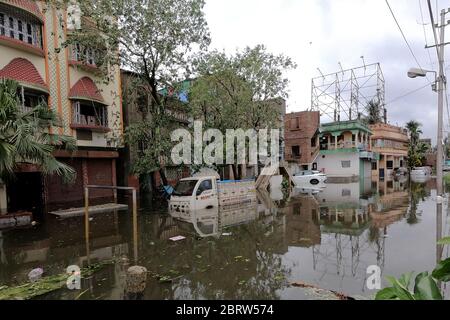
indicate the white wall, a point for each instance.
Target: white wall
{"x":331,"y":164}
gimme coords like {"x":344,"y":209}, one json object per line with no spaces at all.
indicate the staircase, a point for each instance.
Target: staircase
{"x":269,"y":171}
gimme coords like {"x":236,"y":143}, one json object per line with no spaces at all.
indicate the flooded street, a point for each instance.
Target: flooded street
{"x":324,"y":238}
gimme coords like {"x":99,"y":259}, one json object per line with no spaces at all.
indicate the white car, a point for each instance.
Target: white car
{"x":309,"y":177}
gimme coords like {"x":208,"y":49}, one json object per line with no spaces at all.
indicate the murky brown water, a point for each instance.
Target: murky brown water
{"x":326,"y":239}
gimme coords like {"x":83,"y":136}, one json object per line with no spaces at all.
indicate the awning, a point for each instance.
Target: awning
{"x":85,"y":89}
{"x":24,"y":72}
{"x":27,"y":5}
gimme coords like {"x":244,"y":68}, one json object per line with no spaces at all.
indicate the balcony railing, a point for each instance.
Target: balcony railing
{"x":98,"y":122}
{"x":344,"y":145}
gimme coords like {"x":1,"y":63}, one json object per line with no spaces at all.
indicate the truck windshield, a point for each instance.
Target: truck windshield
{"x":185,"y":188}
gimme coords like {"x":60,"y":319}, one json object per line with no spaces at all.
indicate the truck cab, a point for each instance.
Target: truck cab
{"x":195,"y":193}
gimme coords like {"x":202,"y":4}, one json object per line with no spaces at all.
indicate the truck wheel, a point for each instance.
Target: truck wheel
{"x":314,"y":182}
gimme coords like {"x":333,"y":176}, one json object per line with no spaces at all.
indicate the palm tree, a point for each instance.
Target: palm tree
{"x":416,"y":150}
{"x":414,"y":131}
{"x":25,"y":138}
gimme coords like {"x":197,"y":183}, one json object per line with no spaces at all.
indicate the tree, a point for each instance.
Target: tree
{"x":374,"y":112}
{"x":240,"y":90}
{"x":25,"y":138}
{"x":416,"y":149}
{"x":157,"y":41}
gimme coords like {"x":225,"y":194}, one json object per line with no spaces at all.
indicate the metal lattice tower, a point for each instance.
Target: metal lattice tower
{"x":344,"y":95}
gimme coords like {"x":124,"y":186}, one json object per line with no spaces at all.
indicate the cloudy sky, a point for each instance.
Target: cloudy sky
{"x":322,"y":33}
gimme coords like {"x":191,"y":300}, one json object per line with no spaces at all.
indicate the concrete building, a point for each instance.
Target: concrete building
{"x":302,"y":138}
{"x":345,"y":150}
{"x":32,"y":34}
{"x":391,"y":143}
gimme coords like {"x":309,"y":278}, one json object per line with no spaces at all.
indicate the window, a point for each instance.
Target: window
{"x":19,"y":28}
{"x":89,"y":114}
{"x":204,"y":186}
{"x":346,"y":193}
{"x":2,"y":24}
{"x":84,"y":135}
{"x":184,"y":188}
{"x":390,"y":165}
{"x":313,"y":142}
{"x":29,"y":98}
{"x":296,"y":151}
{"x":82,"y":54}
{"x":346,"y":164}
{"x":374,"y":166}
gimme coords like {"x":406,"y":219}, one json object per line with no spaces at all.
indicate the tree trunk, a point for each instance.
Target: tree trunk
{"x":163,"y":177}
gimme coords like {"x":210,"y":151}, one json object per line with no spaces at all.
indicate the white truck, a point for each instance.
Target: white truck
{"x":204,"y":193}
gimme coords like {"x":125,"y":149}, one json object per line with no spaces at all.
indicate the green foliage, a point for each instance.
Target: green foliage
{"x":416,"y":149}
{"x":45,"y":285}
{"x":25,"y":137}
{"x":425,"y":288}
{"x":240,"y":91}
{"x":425,"y":285}
{"x":442,"y":271}
{"x":374,"y":113}
{"x":444,"y":241}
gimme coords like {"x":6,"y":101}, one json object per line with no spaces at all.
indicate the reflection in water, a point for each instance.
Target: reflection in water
{"x":323,"y":237}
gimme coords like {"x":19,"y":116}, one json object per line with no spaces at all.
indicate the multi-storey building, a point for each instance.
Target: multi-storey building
{"x":33,"y":52}
{"x":345,"y":150}
{"x":302,"y":138}
{"x":136,"y":97}
{"x":391,"y":143}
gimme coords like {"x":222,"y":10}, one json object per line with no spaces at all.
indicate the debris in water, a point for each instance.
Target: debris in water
{"x":227,"y":234}
{"x":177,"y":238}
{"x":338,"y":295}
{"x":35,"y":274}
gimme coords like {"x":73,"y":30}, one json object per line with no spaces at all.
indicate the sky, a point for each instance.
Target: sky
{"x":323,"y":33}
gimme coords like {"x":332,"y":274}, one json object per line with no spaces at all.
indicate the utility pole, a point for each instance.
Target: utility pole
{"x":441,"y":86}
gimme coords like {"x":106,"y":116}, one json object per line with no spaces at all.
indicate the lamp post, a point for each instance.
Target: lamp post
{"x":438,"y":86}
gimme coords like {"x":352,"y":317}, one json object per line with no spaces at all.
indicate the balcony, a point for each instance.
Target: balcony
{"x":90,"y":117}
{"x":21,"y":31}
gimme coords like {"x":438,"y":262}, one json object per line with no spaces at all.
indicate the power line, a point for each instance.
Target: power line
{"x":425,"y":32}
{"x":404,"y":37}
{"x":409,"y":93}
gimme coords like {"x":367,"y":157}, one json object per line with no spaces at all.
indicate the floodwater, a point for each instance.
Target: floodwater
{"x":324,"y":238}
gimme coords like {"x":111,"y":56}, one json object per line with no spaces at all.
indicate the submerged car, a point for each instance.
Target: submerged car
{"x":309,"y":177}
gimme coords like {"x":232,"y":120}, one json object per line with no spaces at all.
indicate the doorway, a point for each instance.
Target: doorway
{"x":25,"y":193}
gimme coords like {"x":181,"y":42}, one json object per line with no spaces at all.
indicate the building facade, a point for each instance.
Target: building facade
{"x":391,"y":143}
{"x":345,"y":150}
{"x":32,"y":38}
{"x":302,"y":138}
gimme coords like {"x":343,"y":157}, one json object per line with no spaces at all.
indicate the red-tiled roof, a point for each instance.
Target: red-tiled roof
{"x":85,"y":88}
{"x":27,"y":5}
{"x":24,"y":72}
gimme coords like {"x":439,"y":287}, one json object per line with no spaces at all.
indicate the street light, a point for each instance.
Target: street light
{"x":421,"y":73}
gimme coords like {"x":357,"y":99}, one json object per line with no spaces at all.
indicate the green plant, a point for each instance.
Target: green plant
{"x":25,"y":135}
{"x":425,"y":285}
